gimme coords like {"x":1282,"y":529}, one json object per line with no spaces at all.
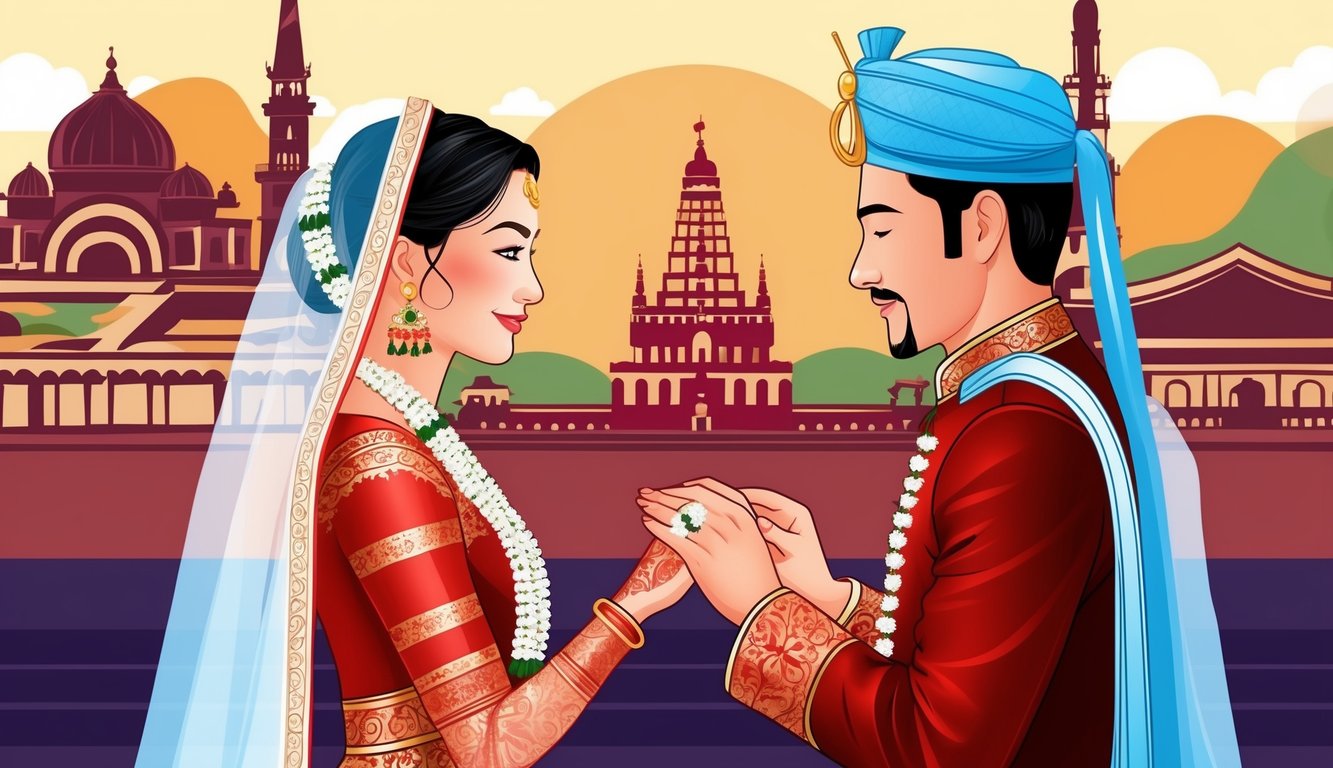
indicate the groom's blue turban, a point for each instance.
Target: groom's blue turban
{"x":957,"y":113}
{"x":977,"y":116}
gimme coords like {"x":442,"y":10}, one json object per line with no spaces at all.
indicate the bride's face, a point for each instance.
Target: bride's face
{"x":489,"y":266}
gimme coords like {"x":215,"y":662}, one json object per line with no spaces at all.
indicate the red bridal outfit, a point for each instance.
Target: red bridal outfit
{"x":1003,"y":651}
{"x":416,"y":597}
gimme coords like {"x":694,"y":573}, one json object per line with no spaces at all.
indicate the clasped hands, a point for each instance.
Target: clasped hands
{"x":752,"y":542}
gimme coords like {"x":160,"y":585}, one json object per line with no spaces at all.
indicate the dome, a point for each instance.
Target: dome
{"x":110,"y":130}
{"x":1085,"y":14}
{"x":187,"y":182}
{"x":29,"y":183}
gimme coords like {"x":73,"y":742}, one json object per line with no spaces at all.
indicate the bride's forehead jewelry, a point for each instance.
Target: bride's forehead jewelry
{"x":530,"y":191}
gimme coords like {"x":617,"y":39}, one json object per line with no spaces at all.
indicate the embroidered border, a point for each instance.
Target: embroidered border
{"x":780,"y":651}
{"x":369,"y":278}
{"x":456,"y":668}
{"x":371,"y":729}
{"x":369,"y":455}
{"x":1037,"y":328}
{"x":468,"y":693}
{"x":436,"y":621}
{"x":404,"y":544}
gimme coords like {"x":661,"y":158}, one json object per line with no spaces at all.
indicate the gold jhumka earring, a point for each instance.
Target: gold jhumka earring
{"x":409,"y":325}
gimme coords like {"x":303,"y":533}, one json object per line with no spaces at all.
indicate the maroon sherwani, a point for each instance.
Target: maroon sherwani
{"x":1003,"y":651}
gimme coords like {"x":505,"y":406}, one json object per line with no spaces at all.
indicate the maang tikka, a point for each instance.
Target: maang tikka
{"x":408,"y":324}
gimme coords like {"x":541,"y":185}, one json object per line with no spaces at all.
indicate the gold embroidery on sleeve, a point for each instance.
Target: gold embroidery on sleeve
{"x":384,"y":727}
{"x":404,"y":544}
{"x":436,"y":621}
{"x":369,"y":455}
{"x":446,"y":672}
{"x":780,"y":651}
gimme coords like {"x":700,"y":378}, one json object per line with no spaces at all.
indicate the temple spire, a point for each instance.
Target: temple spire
{"x":640,"y":295}
{"x":763,"y":277}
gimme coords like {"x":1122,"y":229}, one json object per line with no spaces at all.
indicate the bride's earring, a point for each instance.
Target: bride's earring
{"x":409,"y":325}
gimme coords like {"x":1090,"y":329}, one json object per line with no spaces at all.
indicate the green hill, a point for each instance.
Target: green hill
{"x":532,"y":378}
{"x":851,"y":375}
{"x":67,"y":319}
{"x":1289,"y":217}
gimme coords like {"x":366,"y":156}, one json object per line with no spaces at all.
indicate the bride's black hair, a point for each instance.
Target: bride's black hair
{"x":464,"y":169}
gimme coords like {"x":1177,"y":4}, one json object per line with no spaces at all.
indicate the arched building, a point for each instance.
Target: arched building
{"x":119,"y":224}
{"x":117,"y":207}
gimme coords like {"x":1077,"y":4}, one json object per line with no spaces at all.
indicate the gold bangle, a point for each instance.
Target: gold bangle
{"x":619,"y":621}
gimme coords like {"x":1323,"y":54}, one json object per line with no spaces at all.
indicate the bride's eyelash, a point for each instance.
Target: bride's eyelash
{"x":516,"y":250}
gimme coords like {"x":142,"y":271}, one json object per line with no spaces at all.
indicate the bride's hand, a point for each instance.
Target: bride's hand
{"x":658,"y":580}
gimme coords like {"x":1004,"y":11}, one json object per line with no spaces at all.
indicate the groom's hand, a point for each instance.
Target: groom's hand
{"x":727,"y":556}
{"x":798,"y":557}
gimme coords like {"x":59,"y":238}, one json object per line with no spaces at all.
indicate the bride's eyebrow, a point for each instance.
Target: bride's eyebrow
{"x":514,"y":225}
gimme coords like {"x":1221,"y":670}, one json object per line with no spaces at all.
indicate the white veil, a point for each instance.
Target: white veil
{"x":233,"y":683}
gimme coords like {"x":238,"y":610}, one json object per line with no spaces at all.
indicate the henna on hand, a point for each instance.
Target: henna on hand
{"x":658,"y":566}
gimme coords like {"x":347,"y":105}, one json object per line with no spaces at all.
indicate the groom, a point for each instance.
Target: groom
{"x":992,"y":641}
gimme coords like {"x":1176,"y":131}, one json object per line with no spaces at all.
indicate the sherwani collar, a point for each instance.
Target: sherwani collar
{"x":1035,"y":329}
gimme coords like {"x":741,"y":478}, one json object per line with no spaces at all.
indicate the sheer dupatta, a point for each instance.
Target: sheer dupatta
{"x":234,"y":680}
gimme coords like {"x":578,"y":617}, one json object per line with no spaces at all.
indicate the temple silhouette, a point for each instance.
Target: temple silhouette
{"x":701,"y":350}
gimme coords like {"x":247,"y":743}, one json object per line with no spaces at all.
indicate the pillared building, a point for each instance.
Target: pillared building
{"x":121,"y":226}
{"x":1236,"y":341}
{"x":117,"y":206}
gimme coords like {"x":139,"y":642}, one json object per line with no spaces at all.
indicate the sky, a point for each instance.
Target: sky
{"x":1269,"y":63}
{"x":1166,"y":59}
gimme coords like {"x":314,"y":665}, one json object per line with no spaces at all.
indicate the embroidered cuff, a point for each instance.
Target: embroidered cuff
{"x":864,"y":612}
{"x":781,"y":651}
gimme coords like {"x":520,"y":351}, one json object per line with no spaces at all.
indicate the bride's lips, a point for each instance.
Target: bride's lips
{"x":513,"y":323}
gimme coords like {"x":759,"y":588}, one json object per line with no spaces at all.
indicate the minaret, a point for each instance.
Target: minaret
{"x":288,"y":109}
{"x":1088,"y":88}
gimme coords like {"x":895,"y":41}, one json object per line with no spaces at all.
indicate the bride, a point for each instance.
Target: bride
{"x":417,"y":246}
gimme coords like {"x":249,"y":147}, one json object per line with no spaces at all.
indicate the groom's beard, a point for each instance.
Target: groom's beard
{"x":907,"y":347}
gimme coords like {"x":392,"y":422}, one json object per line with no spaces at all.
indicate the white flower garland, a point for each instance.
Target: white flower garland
{"x":894,"y":560}
{"x":532,"y":586}
{"x":317,"y":235}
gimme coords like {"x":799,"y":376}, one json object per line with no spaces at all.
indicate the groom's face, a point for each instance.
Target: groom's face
{"x":923,"y":297}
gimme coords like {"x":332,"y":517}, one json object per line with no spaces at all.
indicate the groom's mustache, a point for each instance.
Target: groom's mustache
{"x":884,"y":294}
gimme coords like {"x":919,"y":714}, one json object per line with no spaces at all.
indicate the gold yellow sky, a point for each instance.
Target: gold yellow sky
{"x":465,"y":58}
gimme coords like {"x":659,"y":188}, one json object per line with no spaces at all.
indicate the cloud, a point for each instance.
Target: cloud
{"x":1164,"y":84}
{"x":34,"y":96}
{"x":523,"y":102}
{"x":348,"y":122}
{"x":140,"y":84}
{"x":323,"y":107}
